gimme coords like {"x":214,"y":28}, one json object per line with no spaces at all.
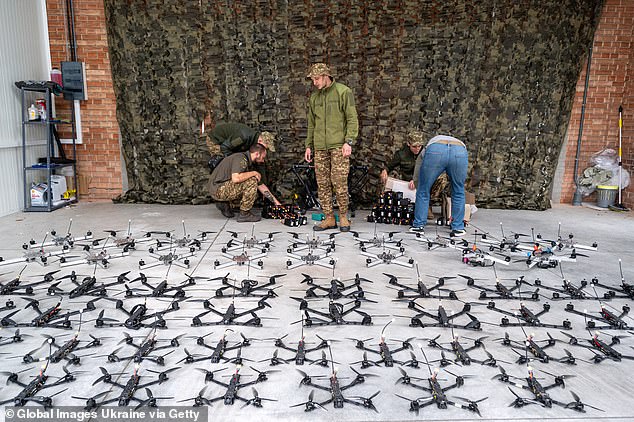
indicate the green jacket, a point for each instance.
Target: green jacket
{"x":332,"y":118}
{"x":233,"y":137}
{"x":405,"y":160}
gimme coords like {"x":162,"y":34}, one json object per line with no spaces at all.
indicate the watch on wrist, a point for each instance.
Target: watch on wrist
{"x":349,"y":142}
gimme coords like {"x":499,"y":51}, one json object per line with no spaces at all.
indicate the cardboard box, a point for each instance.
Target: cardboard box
{"x":397,"y":185}
{"x":469,"y":205}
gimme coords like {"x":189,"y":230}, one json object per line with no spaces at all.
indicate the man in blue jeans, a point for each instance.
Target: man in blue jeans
{"x":442,"y":154}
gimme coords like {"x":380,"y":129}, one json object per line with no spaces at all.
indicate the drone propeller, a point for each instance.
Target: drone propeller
{"x":578,"y":405}
{"x":521,"y":401}
{"x":473,"y":404}
{"x":150,"y":399}
{"x":199,"y":398}
{"x":256,"y":400}
{"x":106,"y":376}
{"x":310,"y":404}
{"x":13,"y":374}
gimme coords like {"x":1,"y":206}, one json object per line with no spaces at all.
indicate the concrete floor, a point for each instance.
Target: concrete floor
{"x":606,"y":385}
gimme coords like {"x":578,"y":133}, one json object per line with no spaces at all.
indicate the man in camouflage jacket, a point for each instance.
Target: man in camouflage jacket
{"x":332,"y":130}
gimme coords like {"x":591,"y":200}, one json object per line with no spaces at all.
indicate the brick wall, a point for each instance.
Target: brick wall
{"x":610,"y":85}
{"x":99,"y":162}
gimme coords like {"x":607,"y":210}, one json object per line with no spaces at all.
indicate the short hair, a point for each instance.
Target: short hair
{"x":257,"y":148}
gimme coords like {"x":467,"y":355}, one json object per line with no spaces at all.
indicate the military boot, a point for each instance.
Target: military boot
{"x":247,"y":217}
{"x":344,"y":223}
{"x":328,"y":223}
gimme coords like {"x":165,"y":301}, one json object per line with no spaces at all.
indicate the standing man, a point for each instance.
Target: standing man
{"x":332,"y":130}
{"x":442,"y":153}
{"x":235,"y":180}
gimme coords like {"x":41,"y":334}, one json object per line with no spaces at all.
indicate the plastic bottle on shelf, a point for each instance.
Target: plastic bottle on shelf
{"x":33,"y":112}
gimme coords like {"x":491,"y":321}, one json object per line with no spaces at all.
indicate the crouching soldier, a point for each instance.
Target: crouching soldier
{"x":234,"y":180}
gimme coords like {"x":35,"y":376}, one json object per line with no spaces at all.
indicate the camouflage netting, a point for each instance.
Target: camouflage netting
{"x":501,"y":75}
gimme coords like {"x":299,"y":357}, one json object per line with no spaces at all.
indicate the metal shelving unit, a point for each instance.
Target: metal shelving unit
{"x":52,"y":163}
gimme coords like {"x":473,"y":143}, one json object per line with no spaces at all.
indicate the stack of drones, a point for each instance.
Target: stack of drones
{"x":168,"y":291}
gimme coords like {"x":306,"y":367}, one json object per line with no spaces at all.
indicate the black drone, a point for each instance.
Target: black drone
{"x":137,"y":317}
{"x":232,"y":389}
{"x":230,"y":316}
{"x":51,"y":317}
{"x":31,"y":389}
{"x":437,"y":393}
{"x":144,"y":350}
{"x":336,"y":391}
{"x":162,"y":289}
{"x":442,"y":319}
{"x":421,"y":290}
{"x":128,"y":390}
{"x":500,"y":291}
{"x":462,"y":352}
{"x":218,"y":350}
{"x":65,"y":351}
{"x":300,"y":351}
{"x":624,"y":291}
{"x":337,"y":288}
{"x":527,"y":318}
{"x":384,"y":352}
{"x":606,"y":350}
{"x":537,"y":350}
{"x":87,"y":287}
{"x":247,"y":287}
{"x":540,"y":392}
{"x":609,"y":319}
{"x":16,"y":287}
{"x":335,"y":315}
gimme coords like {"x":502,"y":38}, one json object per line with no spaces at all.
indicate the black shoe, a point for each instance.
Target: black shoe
{"x":225,"y":209}
{"x":247,"y":217}
{"x":457,"y":233}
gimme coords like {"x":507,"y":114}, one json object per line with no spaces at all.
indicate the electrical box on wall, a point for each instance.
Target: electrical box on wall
{"x":74,"y":80}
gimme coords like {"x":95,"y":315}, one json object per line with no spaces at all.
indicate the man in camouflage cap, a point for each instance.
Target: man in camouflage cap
{"x":405,"y":159}
{"x":235,"y":179}
{"x":231,"y":137}
{"x":332,"y":130}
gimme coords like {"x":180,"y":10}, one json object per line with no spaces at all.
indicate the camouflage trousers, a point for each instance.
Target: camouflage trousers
{"x":246,"y":192}
{"x":331,"y":172}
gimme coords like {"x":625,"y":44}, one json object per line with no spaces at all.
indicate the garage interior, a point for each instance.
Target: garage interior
{"x":533,"y":89}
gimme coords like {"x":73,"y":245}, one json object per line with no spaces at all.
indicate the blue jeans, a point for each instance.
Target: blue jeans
{"x":440,"y":158}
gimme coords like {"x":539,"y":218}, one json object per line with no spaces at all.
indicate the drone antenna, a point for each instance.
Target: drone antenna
{"x":48,"y":360}
{"x":559,"y":230}
{"x":129,"y":228}
{"x":70,"y":223}
{"x":426,"y":361}
{"x":620,"y":269}
{"x":94,"y":271}
{"x":81,"y":312}
{"x":417,"y":272}
{"x":43,"y":241}
{"x":384,"y":327}
{"x":22,"y":270}
{"x":302,"y":314}
{"x":495,"y":273}
{"x":533,"y":234}
{"x":184,"y":231}
{"x":502,"y":230}
{"x":332,"y":361}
